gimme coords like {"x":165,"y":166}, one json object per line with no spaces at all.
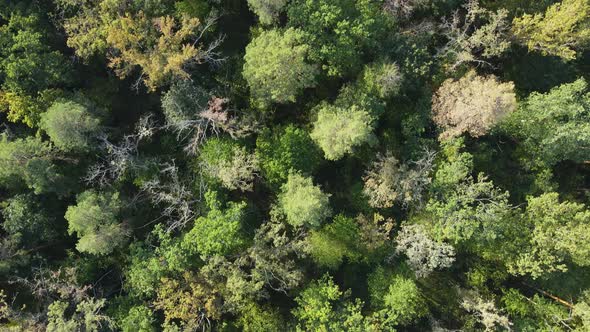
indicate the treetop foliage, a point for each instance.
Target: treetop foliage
{"x":294,"y":165}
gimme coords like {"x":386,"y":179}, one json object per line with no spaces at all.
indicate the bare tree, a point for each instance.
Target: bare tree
{"x":388,"y":181}
{"x":176,"y":196}
{"x":474,"y":37}
{"x":122,"y":157}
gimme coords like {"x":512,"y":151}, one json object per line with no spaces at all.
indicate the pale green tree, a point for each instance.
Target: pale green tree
{"x":302,"y":202}
{"x":95,"y":219}
{"x":267,"y":10}
{"x":70,"y":125}
{"x":276,"y":66}
{"x":339,"y":130}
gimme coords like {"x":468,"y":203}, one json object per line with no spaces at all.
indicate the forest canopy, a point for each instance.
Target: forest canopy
{"x":294,"y":165}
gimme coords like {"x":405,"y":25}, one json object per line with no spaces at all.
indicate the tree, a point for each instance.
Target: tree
{"x":558,"y":234}
{"x":219,"y":232}
{"x":95,"y":219}
{"x":276,"y":67}
{"x":397,"y":299}
{"x":229,"y":163}
{"x":26,"y":218}
{"x":338,"y":32}
{"x":268,"y":11}
{"x":285,"y":150}
{"x":303,"y":203}
{"x":339,"y":130}
{"x":473,"y":105}
{"x":322,"y":306}
{"x":70,"y":125}
{"x":403,"y":302}
{"x":87,"y":316}
{"x":382,"y":79}
{"x":387,"y":182}
{"x":256,"y":318}
{"x":190,"y":299}
{"x":424,"y":255}
{"x":469,"y":40}
{"x":563,"y":29}
{"x":30,"y":160}
{"x":335,"y":241}
{"x":31,"y":71}
{"x":140,"y":318}
{"x":485,"y":311}
{"x":553,"y":126}
{"x":166,"y":52}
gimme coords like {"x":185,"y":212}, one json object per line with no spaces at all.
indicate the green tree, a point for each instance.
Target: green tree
{"x":302,"y":202}
{"x":560,"y":31}
{"x":256,"y":318}
{"x":95,"y":219}
{"x":403,"y":302}
{"x":276,"y":66}
{"x":329,"y":245}
{"x":559,"y":234}
{"x":322,"y":306}
{"x":553,"y":126}
{"x":219,"y":232}
{"x":339,"y":32}
{"x":70,"y":125}
{"x":26,"y":218}
{"x":281,"y":151}
{"x":140,"y":318}
{"x":29,"y":68}
{"x":268,"y":11}
{"x":339,"y":130}
{"x":30,"y":160}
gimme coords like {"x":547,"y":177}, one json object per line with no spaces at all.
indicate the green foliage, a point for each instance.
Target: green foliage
{"x":267,"y":10}
{"x":29,"y":67}
{"x":26,"y":218}
{"x":303,"y":203}
{"x":339,"y":130}
{"x":329,"y":245}
{"x":322,"y":306}
{"x":288,"y":149}
{"x":559,"y":235}
{"x":339,"y":32}
{"x":255,"y":318}
{"x":70,"y":125}
{"x":560,"y":31}
{"x":553,"y":126}
{"x":403,"y":302}
{"x":276,"y":68}
{"x":219,"y":232}
{"x":140,"y":319}
{"x":95,"y":219}
{"x":29,"y":160}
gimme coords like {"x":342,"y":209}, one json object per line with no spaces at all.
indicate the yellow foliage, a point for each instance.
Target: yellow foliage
{"x":560,"y":31}
{"x":157,"y":46}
